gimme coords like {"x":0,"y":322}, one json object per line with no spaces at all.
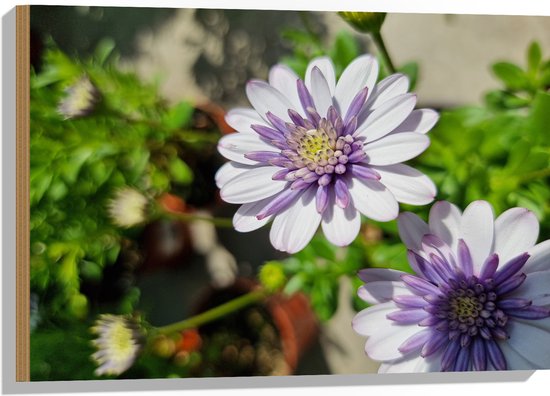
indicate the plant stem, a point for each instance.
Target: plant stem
{"x":214,"y":313}
{"x":217,"y":221}
{"x":379,"y":41}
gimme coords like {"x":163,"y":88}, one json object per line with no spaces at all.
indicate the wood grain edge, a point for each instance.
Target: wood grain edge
{"x":22,"y":335}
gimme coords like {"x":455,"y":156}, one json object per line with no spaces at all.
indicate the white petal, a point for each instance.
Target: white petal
{"x":536,"y":288}
{"x":530,"y":341}
{"x":476,"y":228}
{"x":369,"y":320}
{"x":407,"y":184}
{"x":283,"y":78}
{"x":235,"y":145}
{"x":514,"y":361}
{"x":245,"y":219}
{"x":516,"y":231}
{"x":393,"y":149}
{"x":413,"y":364}
{"x":360,"y":73}
{"x":382,"y":291}
{"x":324,"y":63}
{"x":419,"y":121}
{"x":445,"y":223}
{"x":539,"y":259}
{"x":264,"y":98}
{"x":320,"y":92}
{"x":253,"y":185}
{"x":390,"y":87}
{"x":373,"y":199}
{"x":386,"y":117}
{"x":293,"y":229}
{"x":340,"y":226}
{"x":379,"y":274}
{"x":411,"y":230}
{"x":383,"y":345}
{"x":228,"y":171}
{"x":240,"y":119}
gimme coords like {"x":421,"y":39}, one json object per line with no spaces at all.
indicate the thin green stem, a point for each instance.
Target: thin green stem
{"x":214,"y":313}
{"x":379,"y":41}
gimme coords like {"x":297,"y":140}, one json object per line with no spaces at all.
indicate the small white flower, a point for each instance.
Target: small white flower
{"x":322,"y":152}
{"x":80,"y":100}
{"x":128,"y":207}
{"x":118,"y":344}
{"x":480,"y":298}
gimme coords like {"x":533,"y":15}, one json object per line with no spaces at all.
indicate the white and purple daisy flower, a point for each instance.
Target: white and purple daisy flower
{"x":480,"y":298}
{"x":324,"y":152}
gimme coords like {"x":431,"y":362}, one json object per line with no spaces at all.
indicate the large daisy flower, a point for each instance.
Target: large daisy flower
{"x":319,"y":152}
{"x":480,"y":298}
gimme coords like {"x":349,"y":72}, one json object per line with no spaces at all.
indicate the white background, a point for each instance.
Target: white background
{"x":537,"y":384}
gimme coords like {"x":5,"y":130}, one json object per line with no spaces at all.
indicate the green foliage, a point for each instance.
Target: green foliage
{"x":130,"y":138}
{"x":520,"y":85}
{"x":307,"y":46}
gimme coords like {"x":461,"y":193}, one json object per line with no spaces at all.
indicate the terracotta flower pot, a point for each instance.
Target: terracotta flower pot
{"x":293,"y":318}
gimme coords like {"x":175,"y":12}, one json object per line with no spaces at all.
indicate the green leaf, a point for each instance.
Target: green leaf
{"x":534,"y":57}
{"x":512,"y":75}
{"x":179,"y":116}
{"x":180,"y":171}
{"x":539,"y":119}
{"x":410,"y":69}
{"x":103,"y":50}
{"x":324,"y":297}
{"x":295,"y":284}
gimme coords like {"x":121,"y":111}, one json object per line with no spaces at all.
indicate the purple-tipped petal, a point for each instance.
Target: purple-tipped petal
{"x":479,"y":356}
{"x":278,"y":204}
{"x":511,"y":268}
{"x":342,"y":193}
{"x":531,"y":312}
{"x":438,"y":340}
{"x":404,"y":301}
{"x":364,"y":172}
{"x":332,"y":115}
{"x":305,"y":97}
{"x":514,"y":303}
{"x":462,"y":360}
{"x":350,"y":126}
{"x":321,"y":198}
{"x":489,"y":267}
{"x":449,"y":356}
{"x":419,"y":286}
{"x":296,"y":118}
{"x":356,"y":104}
{"x":465,"y":258}
{"x":511,"y":284}
{"x":408,"y":316}
{"x":262,"y":156}
{"x":281,"y":175}
{"x":357,"y":156}
{"x":495,"y":355}
{"x":277,"y":122}
{"x":267,"y":132}
{"x":313,"y":116}
{"x":415,"y":342}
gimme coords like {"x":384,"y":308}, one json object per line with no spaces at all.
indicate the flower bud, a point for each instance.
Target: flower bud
{"x":365,"y":22}
{"x":272,"y":276}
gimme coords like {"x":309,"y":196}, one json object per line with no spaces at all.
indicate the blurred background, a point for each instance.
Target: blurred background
{"x":177,"y":71}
